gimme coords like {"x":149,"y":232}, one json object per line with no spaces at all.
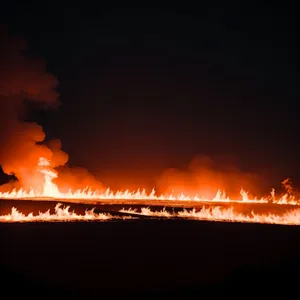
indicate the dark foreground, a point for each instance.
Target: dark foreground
{"x":148,"y":258}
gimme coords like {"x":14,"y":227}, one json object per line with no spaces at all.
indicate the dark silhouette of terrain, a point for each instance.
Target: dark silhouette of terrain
{"x":244,"y":282}
{"x":148,"y":258}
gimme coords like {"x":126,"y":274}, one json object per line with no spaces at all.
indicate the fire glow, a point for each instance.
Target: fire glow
{"x":51,"y":190}
{"x":62,"y":214}
{"x":222,"y":215}
{"x":291,"y":217}
{"x":216,"y":214}
{"x":40,"y":169}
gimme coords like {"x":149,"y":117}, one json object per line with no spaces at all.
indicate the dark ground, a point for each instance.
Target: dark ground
{"x":148,"y":258}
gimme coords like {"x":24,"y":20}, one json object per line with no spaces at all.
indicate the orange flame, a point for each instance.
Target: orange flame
{"x":222,"y":215}
{"x":61,"y":214}
{"x":51,"y":190}
{"x":217,"y":214}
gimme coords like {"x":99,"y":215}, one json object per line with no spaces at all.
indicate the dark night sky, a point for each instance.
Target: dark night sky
{"x":147,"y":89}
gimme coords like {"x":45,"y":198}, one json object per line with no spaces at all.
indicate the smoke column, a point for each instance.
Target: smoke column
{"x":23,"y":81}
{"x":208,"y":174}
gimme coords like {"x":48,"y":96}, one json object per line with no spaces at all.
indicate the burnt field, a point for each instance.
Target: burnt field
{"x":145,"y":257}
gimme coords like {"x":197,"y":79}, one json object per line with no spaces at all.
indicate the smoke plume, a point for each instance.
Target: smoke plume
{"x":23,"y":81}
{"x":205,"y":175}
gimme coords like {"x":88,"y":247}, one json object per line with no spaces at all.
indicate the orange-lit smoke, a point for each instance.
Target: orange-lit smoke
{"x":74,"y":178}
{"x":25,"y":81}
{"x":206,"y":175}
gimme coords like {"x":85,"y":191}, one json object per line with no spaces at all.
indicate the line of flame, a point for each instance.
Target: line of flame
{"x":62,"y":214}
{"x":143,"y":195}
{"x":51,"y":190}
{"x":222,"y":215}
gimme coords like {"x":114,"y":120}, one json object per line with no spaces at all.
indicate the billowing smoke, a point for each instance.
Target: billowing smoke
{"x":23,"y":81}
{"x":205,"y":175}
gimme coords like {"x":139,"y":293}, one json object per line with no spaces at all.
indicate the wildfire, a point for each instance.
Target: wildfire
{"x":25,"y":154}
{"x":222,"y":215}
{"x":62,"y":214}
{"x":51,"y":190}
{"x":217,"y":214}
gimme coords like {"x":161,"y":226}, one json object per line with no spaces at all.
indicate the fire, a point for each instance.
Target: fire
{"x":51,"y":190}
{"x":217,"y":214}
{"x":25,"y":154}
{"x":222,"y":215}
{"x":62,"y":214}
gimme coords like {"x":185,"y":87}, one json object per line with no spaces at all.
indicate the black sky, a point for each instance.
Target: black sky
{"x":148,"y":88}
